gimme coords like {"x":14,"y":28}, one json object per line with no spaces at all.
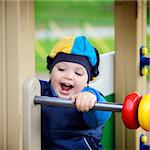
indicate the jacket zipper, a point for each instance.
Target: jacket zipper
{"x":86,"y":142}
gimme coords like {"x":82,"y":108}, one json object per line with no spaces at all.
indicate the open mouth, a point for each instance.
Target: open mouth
{"x":66,"y":86}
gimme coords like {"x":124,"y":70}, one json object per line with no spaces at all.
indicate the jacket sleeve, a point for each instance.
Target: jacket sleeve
{"x":95,"y":118}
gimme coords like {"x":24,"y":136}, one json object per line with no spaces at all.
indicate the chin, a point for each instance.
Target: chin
{"x":64,"y":96}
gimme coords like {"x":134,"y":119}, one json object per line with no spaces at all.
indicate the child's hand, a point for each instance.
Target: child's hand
{"x":84,"y":101}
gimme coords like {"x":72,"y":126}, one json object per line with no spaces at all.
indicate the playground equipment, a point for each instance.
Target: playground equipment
{"x":144,"y":61}
{"x":17,"y":41}
{"x":143,"y":142}
{"x":32,"y":114}
{"x":135,"y":109}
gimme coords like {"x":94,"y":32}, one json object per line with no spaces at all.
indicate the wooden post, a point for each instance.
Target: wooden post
{"x":130,"y":34}
{"x":16,"y":64}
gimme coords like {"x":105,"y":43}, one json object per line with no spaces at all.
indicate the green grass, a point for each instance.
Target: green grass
{"x":74,"y":13}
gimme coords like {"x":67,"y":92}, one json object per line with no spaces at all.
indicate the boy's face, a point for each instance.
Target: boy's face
{"x":68,"y":78}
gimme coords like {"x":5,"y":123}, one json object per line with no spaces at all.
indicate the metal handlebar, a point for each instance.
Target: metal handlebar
{"x":53,"y":101}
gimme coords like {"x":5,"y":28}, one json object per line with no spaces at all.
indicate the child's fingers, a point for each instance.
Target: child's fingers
{"x":86,"y":104}
{"x":89,"y":104}
{"x":83,"y":101}
{"x":92,"y":104}
{"x":79,"y":103}
{"x":77,"y":100}
{"x":73,"y":98}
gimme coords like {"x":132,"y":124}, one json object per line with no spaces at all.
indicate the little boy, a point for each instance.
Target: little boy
{"x":72,"y":63}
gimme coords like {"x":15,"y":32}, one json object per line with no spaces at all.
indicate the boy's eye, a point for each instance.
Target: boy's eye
{"x":61,"y":69}
{"x":79,"y":74}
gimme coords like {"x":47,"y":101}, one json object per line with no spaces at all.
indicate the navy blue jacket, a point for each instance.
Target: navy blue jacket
{"x":67,"y":129}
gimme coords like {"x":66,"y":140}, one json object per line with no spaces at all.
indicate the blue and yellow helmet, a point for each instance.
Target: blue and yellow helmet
{"x":78,"y":50}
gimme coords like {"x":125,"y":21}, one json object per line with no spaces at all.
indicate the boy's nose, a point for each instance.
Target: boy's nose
{"x":69,"y":76}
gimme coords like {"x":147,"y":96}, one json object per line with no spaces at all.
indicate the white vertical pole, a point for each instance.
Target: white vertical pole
{"x":31,"y":115}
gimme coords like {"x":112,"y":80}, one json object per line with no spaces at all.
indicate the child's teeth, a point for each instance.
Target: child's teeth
{"x":67,"y":84}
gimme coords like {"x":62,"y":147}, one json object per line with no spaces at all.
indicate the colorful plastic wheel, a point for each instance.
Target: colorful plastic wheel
{"x":144,"y":112}
{"x":130,"y":110}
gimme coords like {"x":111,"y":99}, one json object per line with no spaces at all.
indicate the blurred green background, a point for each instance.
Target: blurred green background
{"x":55,"y":19}
{"x":92,"y":18}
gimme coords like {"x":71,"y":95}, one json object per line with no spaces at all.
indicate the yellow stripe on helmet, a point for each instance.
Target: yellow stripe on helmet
{"x":64,"y":45}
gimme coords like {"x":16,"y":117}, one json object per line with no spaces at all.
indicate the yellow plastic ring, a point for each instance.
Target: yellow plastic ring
{"x":144,"y":50}
{"x":144,"y":139}
{"x":144,"y":112}
{"x":144,"y":71}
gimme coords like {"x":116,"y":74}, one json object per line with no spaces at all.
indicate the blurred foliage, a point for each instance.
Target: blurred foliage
{"x":56,"y":16}
{"x":74,"y":12}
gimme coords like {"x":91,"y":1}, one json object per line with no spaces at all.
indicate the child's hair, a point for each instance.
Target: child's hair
{"x":78,"y":50}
